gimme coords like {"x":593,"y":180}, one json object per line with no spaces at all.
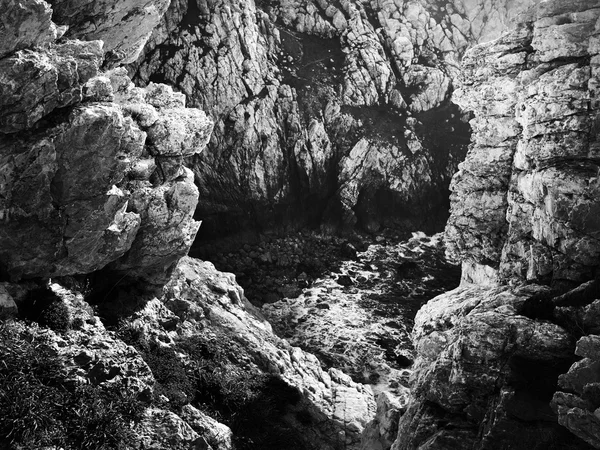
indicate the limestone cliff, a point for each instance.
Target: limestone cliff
{"x":326,"y":113}
{"x":493,"y":355}
{"x":92,"y":168}
{"x":111,"y":339}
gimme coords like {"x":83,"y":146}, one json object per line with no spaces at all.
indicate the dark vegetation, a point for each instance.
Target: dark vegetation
{"x":39,"y":406}
{"x":43,"y":306}
{"x":216,"y":377}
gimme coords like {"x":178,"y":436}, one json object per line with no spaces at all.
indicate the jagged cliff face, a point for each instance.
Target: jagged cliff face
{"x":525,"y":200}
{"x":94,"y":195}
{"x":494,"y":356}
{"x":332,"y":113}
{"x":92,"y":167}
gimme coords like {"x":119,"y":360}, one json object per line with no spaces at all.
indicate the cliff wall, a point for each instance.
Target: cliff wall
{"x":508,"y":359}
{"x":109,"y":338}
{"x":326,"y":113}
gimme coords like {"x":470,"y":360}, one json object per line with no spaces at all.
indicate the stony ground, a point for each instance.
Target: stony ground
{"x":353,"y":309}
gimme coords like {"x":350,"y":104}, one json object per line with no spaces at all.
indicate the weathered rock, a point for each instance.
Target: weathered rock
{"x":217,"y":435}
{"x":33,"y":83}
{"x":61,"y":180}
{"x":61,"y":212}
{"x":207,"y":301}
{"x":294,"y":87}
{"x":167,"y":231}
{"x":123,"y":26}
{"x":524,"y":200}
{"x":25,"y":23}
{"x":162,"y":430}
{"x":578,"y":398}
{"x":383,"y":430}
{"x":477,"y":363}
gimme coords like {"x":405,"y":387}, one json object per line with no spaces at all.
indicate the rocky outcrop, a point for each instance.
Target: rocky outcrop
{"x":485,"y":372}
{"x":201,"y":303}
{"x":576,"y":403}
{"x":124,"y":27}
{"x":337,"y":110}
{"x":523,"y":201}
{"x":91,"y":166}
{"x":95,"y":195}
{"x":493,"y":356}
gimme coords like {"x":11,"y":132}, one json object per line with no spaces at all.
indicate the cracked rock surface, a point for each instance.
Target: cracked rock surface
{"x":305,"y":93}
{"x":90,"y":164}
{"x":497,"y":362}
{"x":534,"y":97}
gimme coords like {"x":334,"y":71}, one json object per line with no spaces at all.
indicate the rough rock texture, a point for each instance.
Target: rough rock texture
{"x":123,"y":26}
{"x":524,"y":201}
{"x":358,"y":318}
{"x":485,"y":373}
{"x":91,"y":165}
{"x":493,"y":356}
{"x":577,"y":401}
{"x":25,"y":24}
{"x":382,"y":431}
{"x":324,"y":107}
{"x":200,"y":301}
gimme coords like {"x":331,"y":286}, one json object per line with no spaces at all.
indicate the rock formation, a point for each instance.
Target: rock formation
{"x":91,"y":165}
{"x":337,"y":110}
{"x":97,"y":211}
{"x":493,"y":356}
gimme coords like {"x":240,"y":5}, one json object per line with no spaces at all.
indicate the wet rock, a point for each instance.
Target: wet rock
{"x":344,"y":280}
{"x":364,"y":330}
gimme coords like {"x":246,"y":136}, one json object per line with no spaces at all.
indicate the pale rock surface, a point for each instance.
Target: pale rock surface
{"x":164,"y":430}
{"x":534,"y":219}
{"x":124,"y":26}
{"x":523,"y":204}
{"x":217,"y":435}
{"x":34,"y":83}
{"x":203,"y":300}
{"x":64,"y":175}
{"x":294,"y":86}
{"x":25,"y":24}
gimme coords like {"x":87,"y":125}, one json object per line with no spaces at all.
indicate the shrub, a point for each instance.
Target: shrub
{"x":233,"y":392}
{"x":39,"y":408}
{"x":172,"y":378}
{"x":43,"y":306}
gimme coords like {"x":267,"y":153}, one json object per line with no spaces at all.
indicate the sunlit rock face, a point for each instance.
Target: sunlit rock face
{"x":91,"y":166}
{"x":524,"y":201}
{"x":326,"y":113}
{"x":94,"y":194}
{"x":504,"y":361}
